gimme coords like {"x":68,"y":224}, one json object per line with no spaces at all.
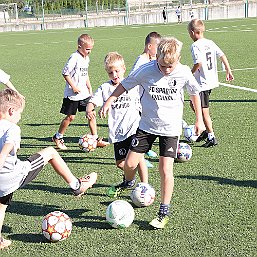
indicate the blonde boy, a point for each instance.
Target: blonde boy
{"x":78,"y":89}
{"x":163,"y":81}
{"x":204,"y":53}
{"x":15,"y":173}
{"x":123,"y":117}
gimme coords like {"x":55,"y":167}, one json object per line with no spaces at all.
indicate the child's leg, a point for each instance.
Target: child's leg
{"x":207,"y":120}
{"x":167,"y":178}
{"x":3,"y":242}
{"x":131,"y":163}
{"x":142,"y":170}
{"x":65,"y":123}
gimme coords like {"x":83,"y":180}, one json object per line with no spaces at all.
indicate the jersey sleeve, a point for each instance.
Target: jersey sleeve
{"x":192,"y":85}
{"x":13,"y":136}
{"x":98,"y":99}
{"x":219,"y":52}
{"x":69,"y":67}
{"x":131,"y":81}
{"x":196,"y":54}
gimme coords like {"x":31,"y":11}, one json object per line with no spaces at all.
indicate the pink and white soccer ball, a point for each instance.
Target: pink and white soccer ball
{"x":189,"y":133}
{"x":56,"y":226}
{"x":184,"y":152}
{"x":87,"y":143}
{"x":142,"y":195}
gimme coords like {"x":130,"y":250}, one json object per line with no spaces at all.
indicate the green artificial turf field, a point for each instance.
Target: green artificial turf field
{"x":214,"y":201}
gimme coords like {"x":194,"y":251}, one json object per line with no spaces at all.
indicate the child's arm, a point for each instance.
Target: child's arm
{"x":229,"y":75}
{"x":7,"y":148}
{"x":196,"y":67}
{"x":116,"y":93}
{"x":71,"y":83}
{"x":89,"y":86}
{"x":199,"y":125}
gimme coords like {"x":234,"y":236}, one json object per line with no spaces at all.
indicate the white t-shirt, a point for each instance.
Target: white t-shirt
{"x":77,"y":68}
{"x":163,"y":97}
{"x":4,"y":77}
{"x":205,"y":51}
{"x":14,"y":171}
{"x":123,"y":118}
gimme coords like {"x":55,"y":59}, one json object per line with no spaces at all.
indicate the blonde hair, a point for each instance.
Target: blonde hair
{"x":10,"y":99}
{"x":169,"y":50}
{"x":196,"y":25}
{"x":112,"y":59}
{"x":85,"y":39}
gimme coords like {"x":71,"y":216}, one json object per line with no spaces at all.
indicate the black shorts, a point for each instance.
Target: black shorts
{"x":142,"y":142}
{"x":70,"y":107}
{"x":37,"y":164}
{"x":121,"y":148}
{"x":205,"y":98}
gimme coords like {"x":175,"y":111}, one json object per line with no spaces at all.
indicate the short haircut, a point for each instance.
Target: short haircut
{"x":10,"y":99}
{"x":112,"y":59}
{"x":152,"y":36}
{"x":85,"y":39}
{"x":169,"y":50}
{"x":196,"y":25}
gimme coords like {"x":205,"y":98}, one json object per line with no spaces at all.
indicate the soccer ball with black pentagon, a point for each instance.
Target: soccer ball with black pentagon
{"x":120,"y":214}
{"x":56,"y":226}
{"x":184,"y":152}
{"x":189,"y":133}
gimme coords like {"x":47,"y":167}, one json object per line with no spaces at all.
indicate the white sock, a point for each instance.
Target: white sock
{"x":74,"y":184}
{"x":58,"y":135}
{"x":210,"y":136}
{"x":95,"y":136}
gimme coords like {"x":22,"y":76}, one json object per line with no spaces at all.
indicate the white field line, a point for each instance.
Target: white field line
{"x":242,"y":69}
{"x":237,"y":87}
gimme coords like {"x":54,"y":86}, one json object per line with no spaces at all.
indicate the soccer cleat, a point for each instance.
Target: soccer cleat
{"x":4,"y":243}
{"x":148,"y":164}
{"x":115,"y":191}
{"x":151,"y":154}
{"x":85,"y":182}
{"x":59,"y":143}
{"x":210,"y":143}
{"x":102,"y":143}
{"x":160,"y":222}
{"x":202,"y":137}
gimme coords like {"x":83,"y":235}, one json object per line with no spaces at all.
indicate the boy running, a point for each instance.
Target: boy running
{"x":163,"y":81}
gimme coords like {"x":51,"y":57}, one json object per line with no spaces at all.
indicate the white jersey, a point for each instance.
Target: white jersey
{"x":4,"y":77}
{"x":141,"y":59}
{"x":14,"y":171}
{"x":163,"y":97}
{"x":77,"y":68}
{"x":123,"y":118}
{"x":205,"y":51}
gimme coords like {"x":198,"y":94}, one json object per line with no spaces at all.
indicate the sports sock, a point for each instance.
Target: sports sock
{"x":95,"y":136}
{"x":74,"y":184}
{"x":164,"y":209}
{"x":58,"y":135}
{"x":211,"y":135}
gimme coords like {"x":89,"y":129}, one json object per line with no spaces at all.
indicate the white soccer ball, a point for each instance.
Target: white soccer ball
{"x":142,"y":195}
{"x":189,"y":133}
{"x":120,"y":214}
{"x":87,"y":143}
{"x":184,"y":152}
{"x":56,"y":226}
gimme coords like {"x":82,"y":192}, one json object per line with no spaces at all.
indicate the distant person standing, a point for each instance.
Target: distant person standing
{"x":191,"y":13}
{"x":164,"y":14}
{"x":178,"y":13}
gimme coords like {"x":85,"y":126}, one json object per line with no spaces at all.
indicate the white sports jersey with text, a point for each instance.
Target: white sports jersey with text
{"x":205,"y":51}
{"x":77,"y":68}
{"x":123,"y":117}
{"x":163,"y":97}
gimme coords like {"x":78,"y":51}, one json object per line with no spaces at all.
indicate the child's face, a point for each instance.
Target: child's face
{"x":166,"y":68}
{"x":116,"y":73}
{"x":85,"y":48}
{"x":152,"y":48}
{"x":14,"y":115}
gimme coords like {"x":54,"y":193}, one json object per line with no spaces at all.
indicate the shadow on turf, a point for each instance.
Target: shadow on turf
{"x":223,"y":181}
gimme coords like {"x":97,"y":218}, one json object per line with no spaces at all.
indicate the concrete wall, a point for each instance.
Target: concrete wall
{"x":235,"y":10}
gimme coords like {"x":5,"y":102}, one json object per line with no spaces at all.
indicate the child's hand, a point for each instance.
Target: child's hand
{"x":229,"y":76}
{"x":76,"y":90}
{"x":103,"y":111}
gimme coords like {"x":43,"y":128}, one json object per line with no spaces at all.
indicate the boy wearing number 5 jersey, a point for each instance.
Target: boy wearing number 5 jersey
{"x":205,"y":53}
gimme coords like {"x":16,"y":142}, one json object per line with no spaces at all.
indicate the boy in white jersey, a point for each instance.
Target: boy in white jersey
{"x":123,"y":117}
{"x":78,"y":89}
{"x":151,"y":42}
{"x":15,"y":173}
{"x":163,"y":81}
{"x":204,"y":53}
